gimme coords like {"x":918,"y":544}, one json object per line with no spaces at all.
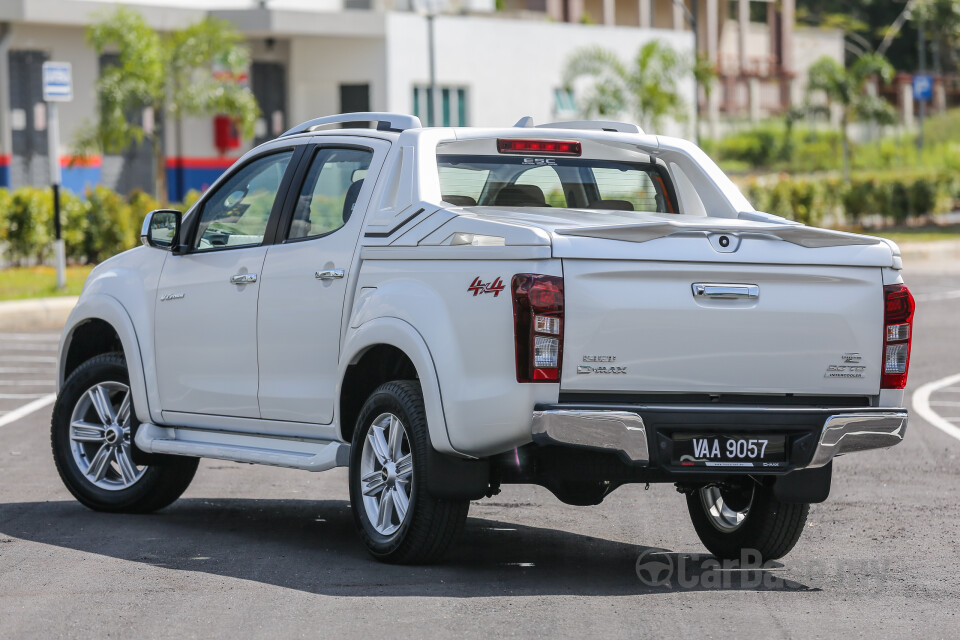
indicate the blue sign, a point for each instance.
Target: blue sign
{"x":57,"y":82}
{"x":922,"y":87}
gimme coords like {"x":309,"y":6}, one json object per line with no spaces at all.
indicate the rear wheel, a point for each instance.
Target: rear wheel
{"x":92,"y":439}
{"x":736,"y":519}
{"x":397,"y":517}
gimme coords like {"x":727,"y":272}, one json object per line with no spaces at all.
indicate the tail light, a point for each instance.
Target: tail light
{"x":539,"y":147}
{"x":898,"y":307}
{"x":538,"y":326}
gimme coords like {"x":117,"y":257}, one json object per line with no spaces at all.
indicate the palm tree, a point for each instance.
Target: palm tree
{"x":647,"y":88}
{"x":846,"y":88}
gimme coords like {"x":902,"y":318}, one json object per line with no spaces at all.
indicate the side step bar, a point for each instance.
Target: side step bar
{"x":294,"y":454}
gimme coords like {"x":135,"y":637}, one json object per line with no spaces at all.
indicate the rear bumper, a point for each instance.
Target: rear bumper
{"x":642,"y":434}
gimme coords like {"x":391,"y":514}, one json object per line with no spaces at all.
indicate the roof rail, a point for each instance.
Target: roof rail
{"x":384,"y":121}
{"x":600,"y":125}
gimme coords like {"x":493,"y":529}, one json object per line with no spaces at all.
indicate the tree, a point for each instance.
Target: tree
{"x":188,"y":72}
{"x":846,"y":88}
{"x":647,"y":88}
{"x":941,"y":19}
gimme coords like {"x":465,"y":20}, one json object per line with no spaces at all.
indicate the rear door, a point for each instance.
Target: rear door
{"x":307,"y":278}
{"x":206,"y":313}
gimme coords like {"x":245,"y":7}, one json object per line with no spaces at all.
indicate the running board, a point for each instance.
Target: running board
{"x":278,"y":452}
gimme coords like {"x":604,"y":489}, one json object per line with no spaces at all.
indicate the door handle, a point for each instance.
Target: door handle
{"x":329,"y":274}
{"x":244,"y":278}
{"x":726,"y":291}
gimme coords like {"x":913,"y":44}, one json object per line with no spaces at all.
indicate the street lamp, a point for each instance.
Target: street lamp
{"x":429,"y":10}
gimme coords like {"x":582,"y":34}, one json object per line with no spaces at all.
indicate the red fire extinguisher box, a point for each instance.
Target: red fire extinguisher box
{"x":226,"y":136}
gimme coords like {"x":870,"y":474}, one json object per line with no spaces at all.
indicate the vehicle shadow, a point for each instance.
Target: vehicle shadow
{"x":312,"y":546}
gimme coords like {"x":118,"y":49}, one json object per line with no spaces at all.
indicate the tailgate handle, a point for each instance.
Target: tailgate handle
{"x":726,"y":291}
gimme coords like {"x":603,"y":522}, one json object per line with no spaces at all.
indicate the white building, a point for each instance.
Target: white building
{"x":316,"y":57}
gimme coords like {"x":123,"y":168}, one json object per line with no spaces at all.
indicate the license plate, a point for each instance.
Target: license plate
{"x":716,"y":450}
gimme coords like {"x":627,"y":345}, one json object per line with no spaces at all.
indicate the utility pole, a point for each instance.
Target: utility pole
{"x":431,"y":52}
{"x":691,"y":16}
{"x":922,"y":71}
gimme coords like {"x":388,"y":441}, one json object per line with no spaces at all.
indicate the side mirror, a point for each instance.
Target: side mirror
{"x":161,"y":229}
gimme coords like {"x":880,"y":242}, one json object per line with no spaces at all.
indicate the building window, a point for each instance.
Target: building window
{"x":563,"y":103}
{"x":450,"y":105}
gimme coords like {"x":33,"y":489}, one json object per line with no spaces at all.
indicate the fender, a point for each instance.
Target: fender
{"x":107,"y":308}
{"x":404,"y":336}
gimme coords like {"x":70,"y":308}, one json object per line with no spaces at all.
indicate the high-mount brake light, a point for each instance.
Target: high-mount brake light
{"x":538,"y":326}
{"x":539,"y":147}
{"x":898,"y":308}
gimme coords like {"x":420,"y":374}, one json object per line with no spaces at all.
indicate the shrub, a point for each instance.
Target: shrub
{"x":29,"y":228}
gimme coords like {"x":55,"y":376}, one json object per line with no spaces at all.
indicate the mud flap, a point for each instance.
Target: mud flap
{"x":804,"y":485}
{"x":457,"y":478}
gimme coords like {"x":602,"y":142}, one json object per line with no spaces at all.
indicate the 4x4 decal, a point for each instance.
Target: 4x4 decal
{"x":478,"y":287}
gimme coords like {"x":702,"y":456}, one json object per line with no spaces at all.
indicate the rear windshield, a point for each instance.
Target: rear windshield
{"x":579,"y":183}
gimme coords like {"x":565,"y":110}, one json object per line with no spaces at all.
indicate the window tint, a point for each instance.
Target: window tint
{"x":635,"y":187}
{"x":236,"y":214}
{"x":463,"y":183}
{"x":546,"y":179}
{"x":329,"y":191}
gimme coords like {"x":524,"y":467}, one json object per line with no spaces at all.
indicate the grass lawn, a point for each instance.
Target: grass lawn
{"x":17,"y":283}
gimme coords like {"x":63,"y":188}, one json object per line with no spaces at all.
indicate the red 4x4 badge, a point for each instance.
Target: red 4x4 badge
{"x":478,"y":287}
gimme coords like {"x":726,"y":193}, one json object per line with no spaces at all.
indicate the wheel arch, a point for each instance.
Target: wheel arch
{"x":99,"y":324}
{"x":388,"y":346}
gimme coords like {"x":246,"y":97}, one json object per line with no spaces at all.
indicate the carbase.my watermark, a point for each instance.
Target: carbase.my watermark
{"x":657,"y":568}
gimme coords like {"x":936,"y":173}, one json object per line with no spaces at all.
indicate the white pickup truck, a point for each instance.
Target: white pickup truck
{"x":445,"y":310}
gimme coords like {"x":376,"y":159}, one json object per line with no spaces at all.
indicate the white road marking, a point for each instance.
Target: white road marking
{"x":31,"y":371}
{"x":27,"y":346}
{"x":935,"y":297}
{"x":921,"y":404}
{"x":27,"y":409}
{"x":26,"y":383}
{"x":19,"y":358}
{"x":20,"y":396}
{"x":30,"y":336}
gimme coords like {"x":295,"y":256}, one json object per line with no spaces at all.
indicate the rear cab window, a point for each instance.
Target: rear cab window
{"x":501,"y":180}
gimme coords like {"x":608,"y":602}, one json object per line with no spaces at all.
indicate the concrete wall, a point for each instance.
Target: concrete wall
{"x":506,"y":78}
{"x":319,"y":65}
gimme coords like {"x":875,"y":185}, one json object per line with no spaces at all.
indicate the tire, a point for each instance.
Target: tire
{"x":95,"y":394}
{"x":747,"y":520}
{"x":393,"y":470}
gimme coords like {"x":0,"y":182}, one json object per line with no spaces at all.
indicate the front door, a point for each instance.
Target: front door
{"x":305,"y":279}
{"x":206,"y":313}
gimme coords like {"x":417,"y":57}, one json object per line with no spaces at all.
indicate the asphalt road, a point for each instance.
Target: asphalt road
{"x":256,"y":551}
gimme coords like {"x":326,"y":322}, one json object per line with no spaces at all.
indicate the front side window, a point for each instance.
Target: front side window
{"x":330,"y":191}
{"x":236,"y":214}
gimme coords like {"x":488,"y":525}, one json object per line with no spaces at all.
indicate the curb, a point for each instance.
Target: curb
{"x":40,"y":313}
{"x":936,"y":255}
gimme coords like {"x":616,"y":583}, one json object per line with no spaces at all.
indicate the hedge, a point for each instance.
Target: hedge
{"x":893,"y":197}
{"x":103,"y":223}
{"x":96,"y":226}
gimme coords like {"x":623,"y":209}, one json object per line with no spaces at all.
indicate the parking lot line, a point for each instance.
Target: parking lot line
{"x":921,"y":404}
{"x":936,"y":297}
{"x":27,"y":409}
{"x":44,"y":337}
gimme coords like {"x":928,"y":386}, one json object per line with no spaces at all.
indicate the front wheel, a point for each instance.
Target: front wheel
{"x":397,"y":517}
{"x":734,"y":520}
{"x":92,"y":439}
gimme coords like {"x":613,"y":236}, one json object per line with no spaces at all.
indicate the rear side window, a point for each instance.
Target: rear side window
{"x":329,"y":192}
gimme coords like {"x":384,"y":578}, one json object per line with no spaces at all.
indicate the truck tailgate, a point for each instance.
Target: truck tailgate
{"x":642,"y":326}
